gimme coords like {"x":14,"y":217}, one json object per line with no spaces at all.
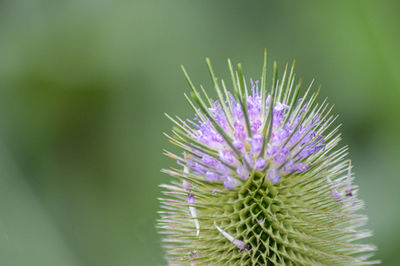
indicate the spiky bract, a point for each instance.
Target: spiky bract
{"x":260,"y":181}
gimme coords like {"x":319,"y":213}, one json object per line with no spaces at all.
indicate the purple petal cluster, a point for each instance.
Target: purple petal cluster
{"x":292,"y":140}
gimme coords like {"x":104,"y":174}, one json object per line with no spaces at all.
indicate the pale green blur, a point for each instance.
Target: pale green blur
{"x":83,"y":89}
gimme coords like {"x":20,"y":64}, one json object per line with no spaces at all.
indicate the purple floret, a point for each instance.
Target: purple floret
{"x":292,"y":141}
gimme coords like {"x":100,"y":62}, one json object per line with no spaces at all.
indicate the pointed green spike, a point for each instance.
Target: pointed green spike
{"x":199,"y":114}
{"x":290,"y":83}
{"x":227,"y":96}
{"x":234,"y":81}
{"x":242,"y":91}
{"x":275,"y":77}
{"x":206,"y":96}
{"x":294,"y":99}
{"x":192,"y":85}
{"x":263,"y":84}
{"x":220,"y":97}
{"x":304,"y":98}
{"x":282,"y":83}
{"x":243,"y":100}
{"x":267,"y":130}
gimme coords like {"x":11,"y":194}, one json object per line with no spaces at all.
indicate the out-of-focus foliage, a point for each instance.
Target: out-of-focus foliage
{"x":83,"y":89}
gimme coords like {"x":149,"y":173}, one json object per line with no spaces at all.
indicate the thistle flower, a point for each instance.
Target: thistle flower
{"x":260,"y":180}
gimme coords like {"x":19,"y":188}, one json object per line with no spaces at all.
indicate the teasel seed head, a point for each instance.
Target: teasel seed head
{"x":260,"y":180}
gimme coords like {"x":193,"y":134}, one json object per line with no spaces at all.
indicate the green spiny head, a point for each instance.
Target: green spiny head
{"x":260,"y":180}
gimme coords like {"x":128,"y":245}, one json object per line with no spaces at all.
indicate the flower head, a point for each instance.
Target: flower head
{"x":260,"y":181}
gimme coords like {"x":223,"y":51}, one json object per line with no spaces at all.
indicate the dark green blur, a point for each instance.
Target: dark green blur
{"x":83,"y":89}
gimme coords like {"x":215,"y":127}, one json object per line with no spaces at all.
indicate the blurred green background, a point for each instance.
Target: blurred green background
{"x":83,"y":89}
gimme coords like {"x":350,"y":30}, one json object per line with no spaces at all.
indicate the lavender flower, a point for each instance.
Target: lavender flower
{"x":261,"y":181}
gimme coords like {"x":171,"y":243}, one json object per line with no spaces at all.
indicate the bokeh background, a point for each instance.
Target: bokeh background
{"x":84,"y":85}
